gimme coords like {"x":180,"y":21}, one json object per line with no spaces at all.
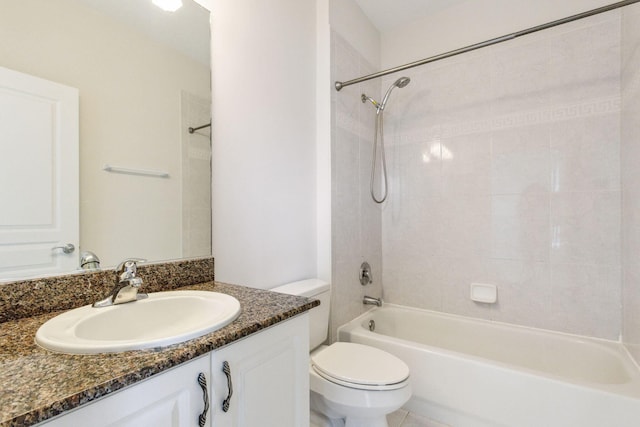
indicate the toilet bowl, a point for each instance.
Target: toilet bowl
{"x":357,"y":383}
{"x":351,"y":385}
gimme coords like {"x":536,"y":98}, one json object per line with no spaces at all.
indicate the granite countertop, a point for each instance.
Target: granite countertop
{"x":37,"y":384}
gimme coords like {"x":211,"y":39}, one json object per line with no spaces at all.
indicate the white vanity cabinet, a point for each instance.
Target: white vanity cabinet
{"x":171,"y":399}
{"x":269,"y":375}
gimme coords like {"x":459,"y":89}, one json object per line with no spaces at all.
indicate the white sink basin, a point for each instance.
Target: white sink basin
{"x":162,"y":319}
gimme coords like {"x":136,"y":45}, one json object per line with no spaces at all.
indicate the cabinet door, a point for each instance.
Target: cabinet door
{"x":269,"y":374}
{"x":172,"y":399}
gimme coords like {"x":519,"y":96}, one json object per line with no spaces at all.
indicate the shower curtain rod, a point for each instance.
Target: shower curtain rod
{"x":192,"y":130}
{"x":339,"y":85}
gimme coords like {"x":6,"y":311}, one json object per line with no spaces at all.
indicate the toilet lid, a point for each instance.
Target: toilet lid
{"x":360,"y":366}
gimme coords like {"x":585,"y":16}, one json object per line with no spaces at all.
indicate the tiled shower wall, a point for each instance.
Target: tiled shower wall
{"x":505,"y":169}
{"x":630,"y":166}
{"x":356,"y":221}
{"x":515,"y":165}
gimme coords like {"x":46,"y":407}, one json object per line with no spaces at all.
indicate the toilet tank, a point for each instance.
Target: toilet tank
{"x":318,"y":316}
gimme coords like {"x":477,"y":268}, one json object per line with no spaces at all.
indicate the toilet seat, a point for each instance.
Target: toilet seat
{"x":361,"y":367}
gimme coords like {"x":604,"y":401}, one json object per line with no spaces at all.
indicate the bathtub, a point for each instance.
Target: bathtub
{"x":469,"y":372}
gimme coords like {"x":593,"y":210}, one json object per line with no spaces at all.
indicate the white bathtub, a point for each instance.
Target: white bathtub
{"x":468,"y":372}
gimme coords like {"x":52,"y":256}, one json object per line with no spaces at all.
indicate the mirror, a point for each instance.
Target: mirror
{"x":143,"y":76}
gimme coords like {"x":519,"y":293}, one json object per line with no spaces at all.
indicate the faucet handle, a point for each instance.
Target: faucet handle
{"x":128,"y":267}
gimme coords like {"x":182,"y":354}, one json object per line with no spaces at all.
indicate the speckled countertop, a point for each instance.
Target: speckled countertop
{"x":36,"y":384}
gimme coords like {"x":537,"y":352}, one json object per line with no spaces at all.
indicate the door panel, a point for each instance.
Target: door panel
{"x":38,"y":175}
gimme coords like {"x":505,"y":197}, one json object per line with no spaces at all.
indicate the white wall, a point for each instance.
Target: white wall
{"x":356,"y":219}
{"x":472,"y":22}
{"x":264,"y":141}
{"x":348,"y":20}
{"x":323,"y":140}
{"x":630,"y":155}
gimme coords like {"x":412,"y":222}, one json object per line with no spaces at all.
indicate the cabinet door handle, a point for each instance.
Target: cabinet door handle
{"x":202,"y":418}
{"x":227,"y":371}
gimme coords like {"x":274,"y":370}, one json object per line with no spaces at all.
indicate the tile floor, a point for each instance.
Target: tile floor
{"x":402,"y":418}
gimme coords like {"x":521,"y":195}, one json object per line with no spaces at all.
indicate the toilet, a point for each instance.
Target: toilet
{"x":351,"y":385}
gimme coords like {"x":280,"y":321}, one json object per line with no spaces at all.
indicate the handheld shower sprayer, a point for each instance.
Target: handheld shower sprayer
{"x":401,"y":82}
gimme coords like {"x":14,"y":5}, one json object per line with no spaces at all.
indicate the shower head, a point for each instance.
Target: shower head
{"x":401,"y":82}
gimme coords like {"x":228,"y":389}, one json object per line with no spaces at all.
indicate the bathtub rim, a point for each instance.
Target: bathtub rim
{"x":629,"y":389}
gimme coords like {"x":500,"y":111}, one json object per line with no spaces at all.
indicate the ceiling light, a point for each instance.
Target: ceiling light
{"x":168,"y":5}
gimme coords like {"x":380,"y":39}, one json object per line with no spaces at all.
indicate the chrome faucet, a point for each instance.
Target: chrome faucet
{"x":89,"y":261}
{"x":127,"y":285}
{"x":372,"y":301}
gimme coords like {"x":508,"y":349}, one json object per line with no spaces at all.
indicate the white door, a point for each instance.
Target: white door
{"x":38,"y":176}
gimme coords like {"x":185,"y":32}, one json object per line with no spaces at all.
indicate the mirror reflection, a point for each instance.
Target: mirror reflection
{"x":143,"y":79}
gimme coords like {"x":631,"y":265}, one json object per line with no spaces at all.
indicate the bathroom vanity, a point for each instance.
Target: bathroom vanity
{"x":266,"y":349}
{"x":266,"y":370}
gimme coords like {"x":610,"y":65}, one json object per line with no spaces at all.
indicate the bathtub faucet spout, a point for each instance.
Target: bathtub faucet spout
{"x":372,"y":301}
